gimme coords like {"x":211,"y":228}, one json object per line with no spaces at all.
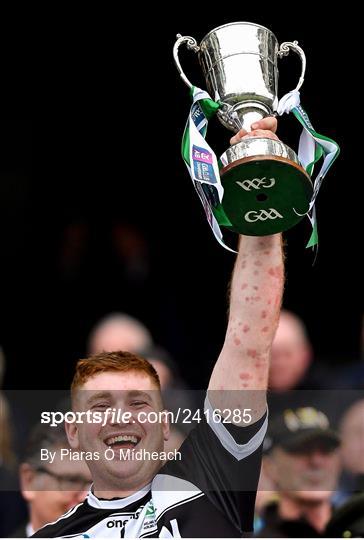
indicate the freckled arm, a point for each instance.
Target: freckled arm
{"x":240,"y":374}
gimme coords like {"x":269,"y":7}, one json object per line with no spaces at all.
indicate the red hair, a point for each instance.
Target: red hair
{"x":120,"y":361}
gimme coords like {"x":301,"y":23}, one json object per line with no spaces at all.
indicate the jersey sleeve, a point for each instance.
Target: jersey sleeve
{"x":223,"y":460}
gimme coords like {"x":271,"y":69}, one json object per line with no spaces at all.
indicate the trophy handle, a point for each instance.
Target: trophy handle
{"x":192,"y":46}
{"x":284,"y":51}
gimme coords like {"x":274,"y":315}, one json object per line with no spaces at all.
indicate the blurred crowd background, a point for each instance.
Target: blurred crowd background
{"x":104,"y":245}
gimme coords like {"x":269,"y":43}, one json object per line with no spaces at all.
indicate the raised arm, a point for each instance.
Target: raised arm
{"x":239,"y":378}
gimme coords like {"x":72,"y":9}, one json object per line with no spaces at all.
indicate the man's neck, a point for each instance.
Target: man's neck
{"x":316,"y":513}
{"x":35,"y":522}
{"x":114,"y":494}
{"x":103,"y":492}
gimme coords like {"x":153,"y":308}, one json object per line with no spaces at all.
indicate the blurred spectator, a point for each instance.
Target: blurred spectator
{"x":351,"y":375}
{"x":7,"y":456}
{"x":119,"y":332}
{"x":166,"y":368}
{"x":352,"y":451}
{"x":50,"y":489}
{"x":291,"y":355}
{"x":295,"y":378}
{"x":12,"y":507}
{"x":303,"y":463}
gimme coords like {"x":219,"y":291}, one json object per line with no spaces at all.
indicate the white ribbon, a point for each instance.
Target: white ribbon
{"x":288,"y":102}
{"x":307,"y":147}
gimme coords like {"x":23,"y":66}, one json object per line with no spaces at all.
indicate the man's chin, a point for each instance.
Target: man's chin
{"x":313,"y":495}
{"x":124,"y":469}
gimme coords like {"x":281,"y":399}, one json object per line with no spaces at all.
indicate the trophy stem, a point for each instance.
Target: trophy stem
{"x":243,"y":115}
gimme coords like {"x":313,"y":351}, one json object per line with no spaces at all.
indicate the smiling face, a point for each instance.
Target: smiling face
{"x":130,"y":392}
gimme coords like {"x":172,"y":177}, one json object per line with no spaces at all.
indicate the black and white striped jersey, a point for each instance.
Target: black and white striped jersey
{"x":209,"y":492}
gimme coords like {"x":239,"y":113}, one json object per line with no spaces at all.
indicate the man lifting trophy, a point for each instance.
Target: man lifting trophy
{"x":259,"y":186}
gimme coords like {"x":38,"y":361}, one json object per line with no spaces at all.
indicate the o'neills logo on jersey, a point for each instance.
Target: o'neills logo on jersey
{"x":121,"y":521}
{"x":141,"y":455}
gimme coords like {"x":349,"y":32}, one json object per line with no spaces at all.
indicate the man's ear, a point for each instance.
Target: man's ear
{"x":27,"y":480}
{"x":270,"y":468}
{"x":165,"y":426}
{"x":72,"y":434}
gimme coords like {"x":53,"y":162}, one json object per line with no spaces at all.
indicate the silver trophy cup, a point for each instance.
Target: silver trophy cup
{"x":266,"y":190}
